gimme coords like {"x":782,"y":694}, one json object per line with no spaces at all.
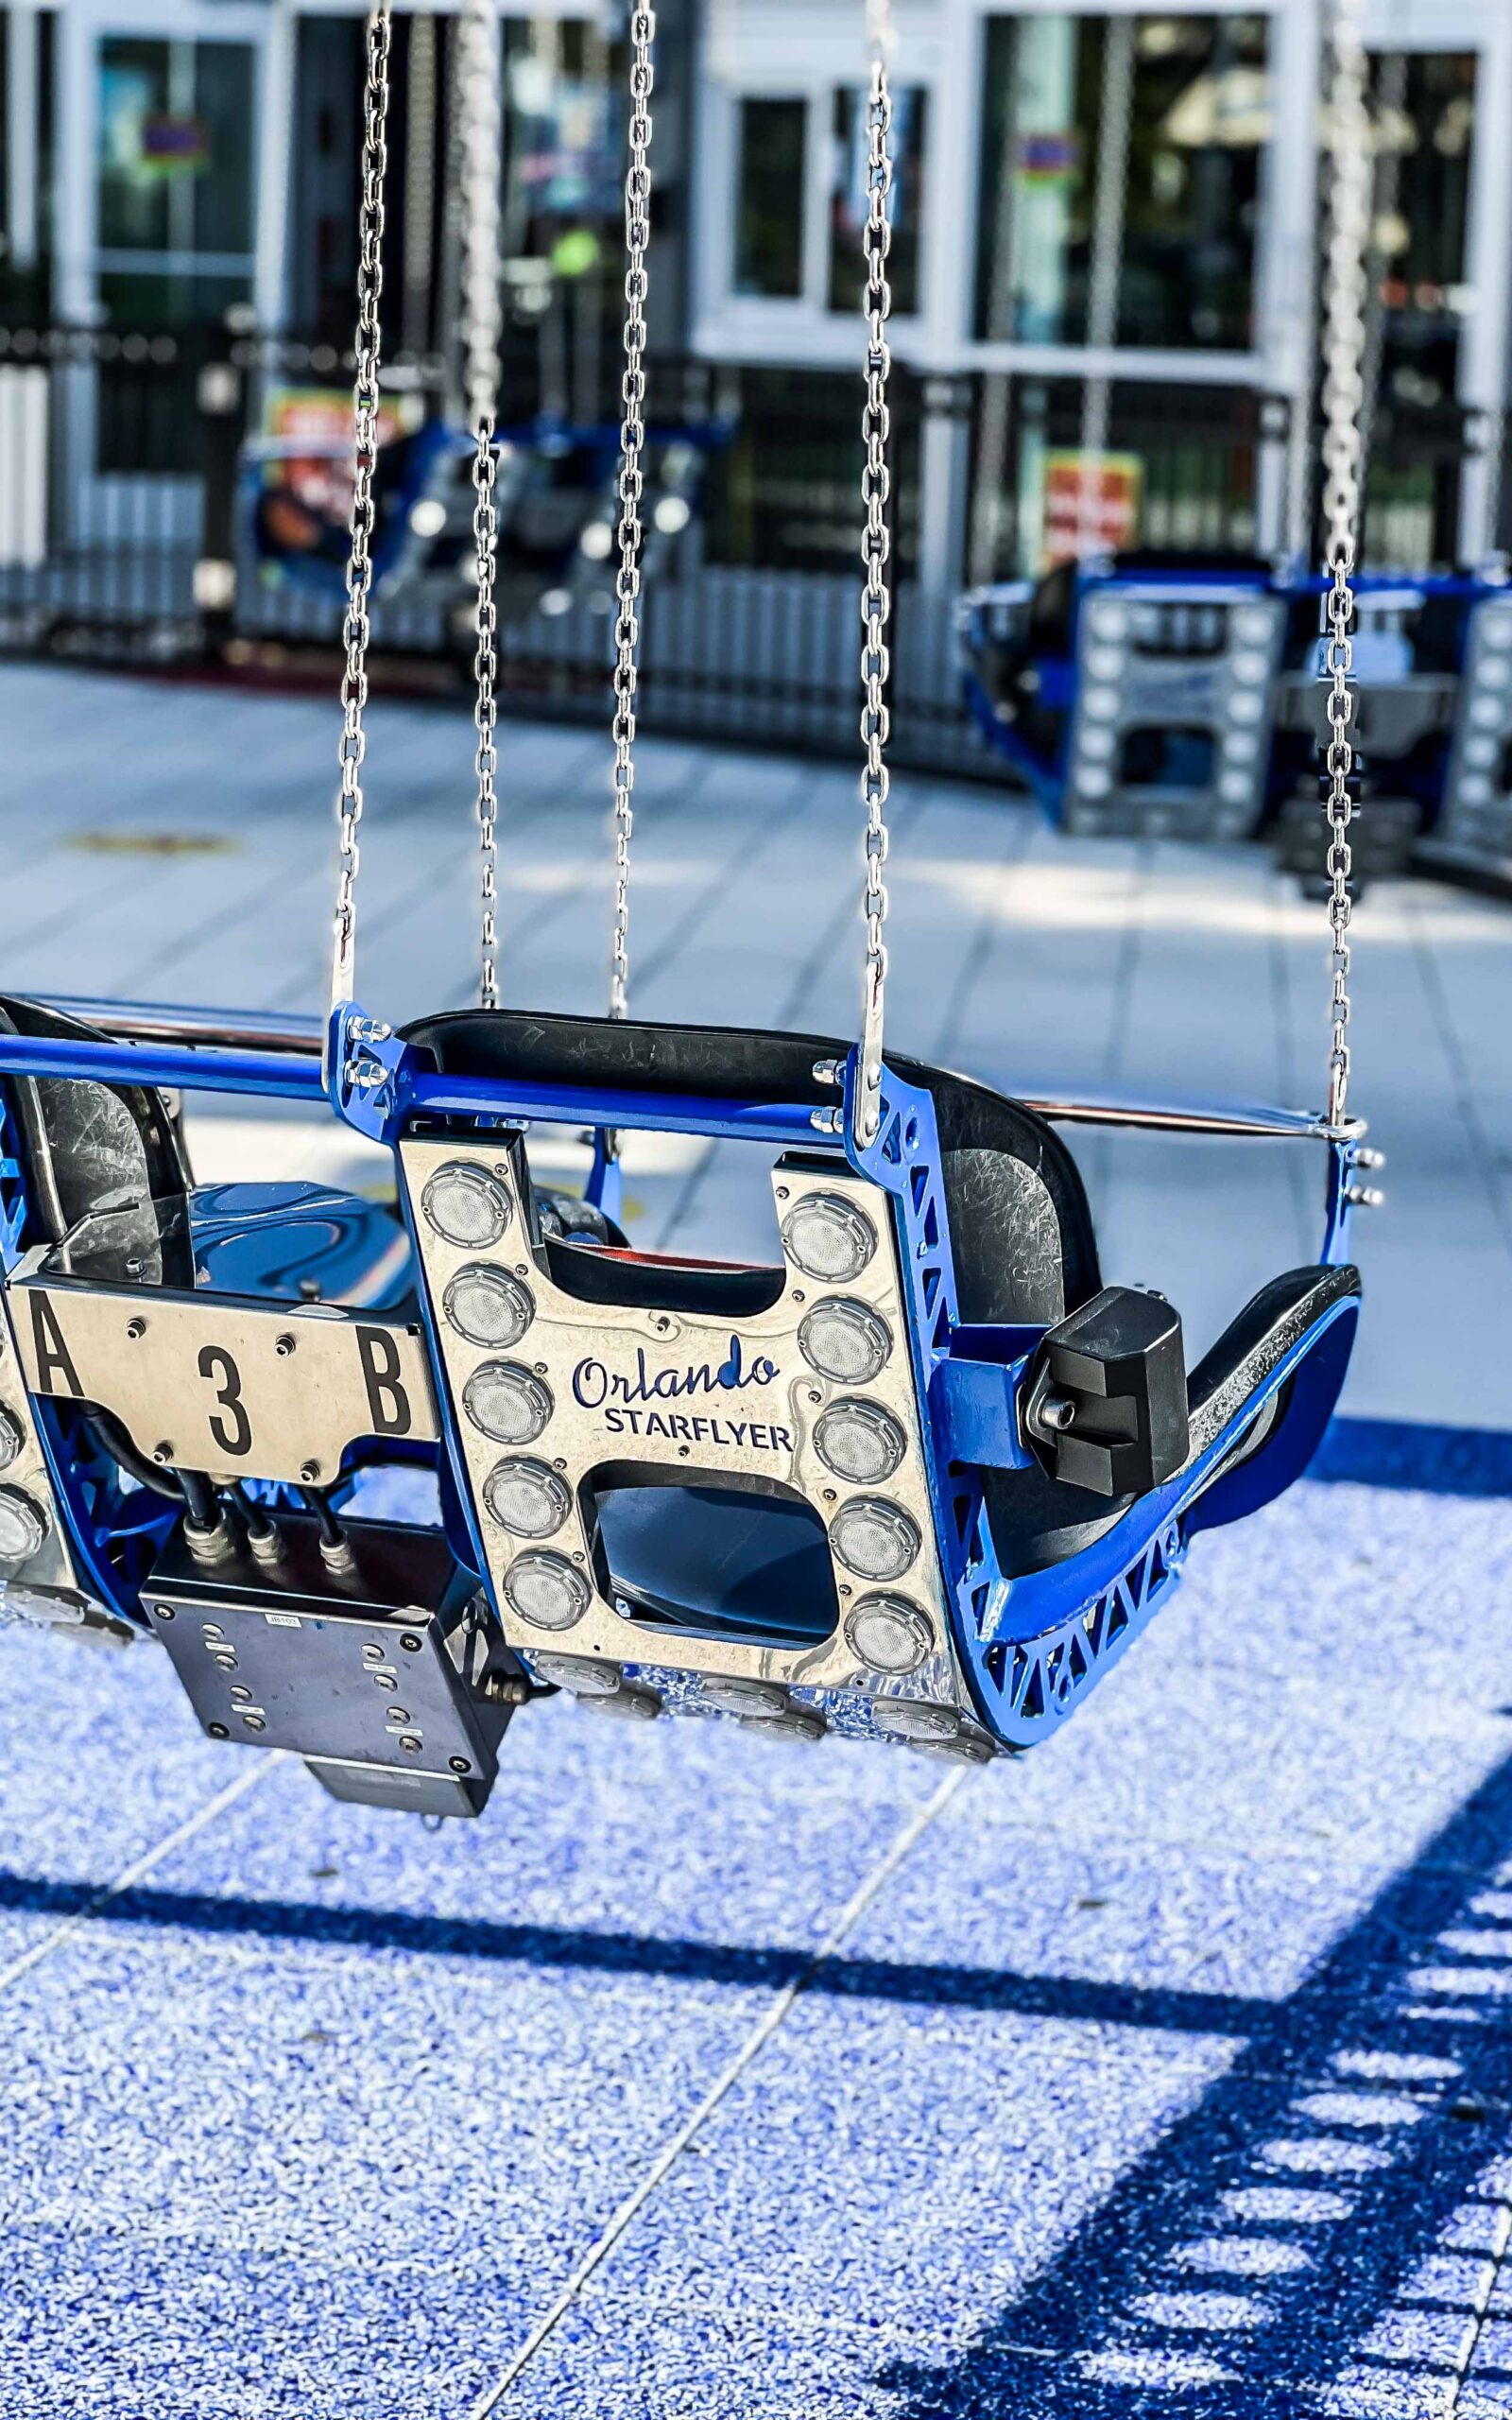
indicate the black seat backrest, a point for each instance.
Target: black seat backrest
{"x":1021,"y":1228}
{"x":87,"y":1145}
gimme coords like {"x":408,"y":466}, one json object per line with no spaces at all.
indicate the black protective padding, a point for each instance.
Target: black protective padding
{"x":84,"y":1144}
{"x":1036,"y":1521}
{"x":1021,"y":1227}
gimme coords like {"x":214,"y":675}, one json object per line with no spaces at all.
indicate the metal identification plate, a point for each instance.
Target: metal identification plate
{"x":219,"y":1384}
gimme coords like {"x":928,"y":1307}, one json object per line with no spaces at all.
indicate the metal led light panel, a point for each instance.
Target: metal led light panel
{"x":813,"y":1397}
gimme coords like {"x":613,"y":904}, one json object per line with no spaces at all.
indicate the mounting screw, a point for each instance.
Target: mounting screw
{"x":410,"y":1643}
{"x":814,"y":1395}
{"x":459,"y":1764}
{"x":309,"y":1470}
{"x":540,"y":1369}
{"x":136,"y":1328}
{"x":782,"y":1192}
{"x":411,"y":1741}
{"x":284,"y":1347}
{"x":684,"y":1451}
{"x":162,"y":1453}
{"x":829,"y":1495}
{"x":164,"y":1612}
{"x":218,"y":1731}
{"x":558,"y":1464}
{"x":798,"y":1295}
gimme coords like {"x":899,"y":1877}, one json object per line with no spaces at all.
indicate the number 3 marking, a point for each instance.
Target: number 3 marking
{"x":233,"y":1436}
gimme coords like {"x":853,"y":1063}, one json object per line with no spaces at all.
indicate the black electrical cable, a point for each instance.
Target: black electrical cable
{"x":112,"y":1439}
{"x":332,"y":1532}
{"x":199,"y":1496}
{"x":259,"y":1523}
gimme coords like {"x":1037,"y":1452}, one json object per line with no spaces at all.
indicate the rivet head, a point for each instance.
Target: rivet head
{"x":410,"y":1643}
{"x":284,"y":1346}
{"x":309,"y":1470}
{"x":136,"y":1328}
{"x":218,"y":1731}
{"x":162,"y":1453}
{"x":460,"y":1763}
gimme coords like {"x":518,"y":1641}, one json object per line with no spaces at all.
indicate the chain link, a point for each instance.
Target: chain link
{"x":876,"y":596}
{"x":1344,"y":343}
{"x":479,"y":130}
{"x":632,"y":443}
{"x":356,"y":628}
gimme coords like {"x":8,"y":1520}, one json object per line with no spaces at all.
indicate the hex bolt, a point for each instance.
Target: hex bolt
{"x":309,"y":1470}
{"x":218,"y":1731}
{"x":460,"y":1763}
{"x":284,"y":1346}
{"x":136,"y":1328}
{"x":162,"y":1453}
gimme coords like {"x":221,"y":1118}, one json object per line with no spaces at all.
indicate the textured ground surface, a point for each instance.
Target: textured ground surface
{"x":1167,"y":2071}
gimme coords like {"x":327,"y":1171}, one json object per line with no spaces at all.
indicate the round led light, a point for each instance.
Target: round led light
{"x":1475,"y":790}
{"x":1239,"y":746}
{"x":1099,"y":744}
{"x":1496,"y":630}
{"x":890,"y":1634}
{"x":844,"y":1340}
{"x":1103,"y":663}
{"x":874,"y":1539}
{"x":530,"y":1500}
{"x":428,"y":517}
{"x":1496,"y":672}
{"x":23,"y":1525}
{"x":465,"y":1204}
{"x":1252,"y":626}
{"x":829,"y":1238}
{"x":1094,"y":780}
{"x":1487,"y":712}
{"x":910,"y":1718}
{"x":859,"y":1442}
{"x":1100,"y":704}
{"x":487,"y":1307}
{"x":547,"y":1591}
{"x":596,"y":540}
{"x":1109,"y":621}
{"x":583,"y":1674}
{"x":507,"y":1402}
{"x":1244,"y":706}
{"x":1481,"y":750}
{"x":671,"y":513}
{"x":12,"y":1440}
{"x":761,"y":1701}
{"x":1235,"y":788}
{"x":1249,"y":667}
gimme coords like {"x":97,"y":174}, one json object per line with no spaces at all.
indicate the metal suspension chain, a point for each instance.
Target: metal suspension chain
{"x":356,"y":628}
{"x":876,"y":551}
{"x":1344,"y":342}
{"x":483,"y":328}
{"x":632,"y":443}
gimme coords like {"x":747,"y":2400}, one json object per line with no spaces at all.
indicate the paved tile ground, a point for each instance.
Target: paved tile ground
{"x":1167,"y":2071}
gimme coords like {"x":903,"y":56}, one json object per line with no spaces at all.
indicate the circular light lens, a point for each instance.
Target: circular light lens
{"x":1252,"y":626}
{"x":672,"y":513}
{"x":1475,"y":790}
{"x":465,"y":1205}
{"x":1109,"y":621}
{"x":1480,"y":751}
{"x":530,"y":1500}
{"x":428,"y":517}
{"x":546,"y":1591}
{"x":23,"y":1525}
{"x":583,"y":1674}
{"x":1496,"y":672}
{"x":909,"y":1718}
{"x":1100,"y":704}
{"x":507,"y":1402}
{"x":12,"y":1440}
{"x":890,"y":1634}
{"x":763,"y":1699}
{"x":829,"y":1238}
{"x":1239,"y":746}
{"x":1244,"y":706}
{"x":1249,"y":667}
{"x":1104,"y":662}
{"x":1235,"y":788}
{"x":844,"y":1341}
{"x":487,"y":1307}
{"x":875,"y":1540}
{"x":1487,"y":712}
{"x":1099,"y":744}
{"x":1496,"y":630}
{"x":596,"y":540}
{"x":859,"y":1442}
{"x":1094,"y":780}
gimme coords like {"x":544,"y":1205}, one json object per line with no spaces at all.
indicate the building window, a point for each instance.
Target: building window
{"x":769,"y":199}
{"x":1199,"y":120}
{"x":849,"y":139}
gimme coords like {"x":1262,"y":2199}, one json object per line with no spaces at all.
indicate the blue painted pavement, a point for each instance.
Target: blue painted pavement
{"x":1165,"y":2071}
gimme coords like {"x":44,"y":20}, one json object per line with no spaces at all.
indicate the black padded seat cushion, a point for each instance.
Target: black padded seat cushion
{"x":1021,"y":1228}
{"x":84,"y":1142}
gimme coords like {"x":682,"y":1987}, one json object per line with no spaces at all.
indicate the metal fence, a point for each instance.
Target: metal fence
{"x":118,"y":458}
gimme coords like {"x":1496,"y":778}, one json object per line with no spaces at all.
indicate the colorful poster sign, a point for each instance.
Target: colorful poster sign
{"x":1091,"y":504}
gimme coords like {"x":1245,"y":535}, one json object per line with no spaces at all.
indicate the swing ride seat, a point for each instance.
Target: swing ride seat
{"x":1132,"y":694}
